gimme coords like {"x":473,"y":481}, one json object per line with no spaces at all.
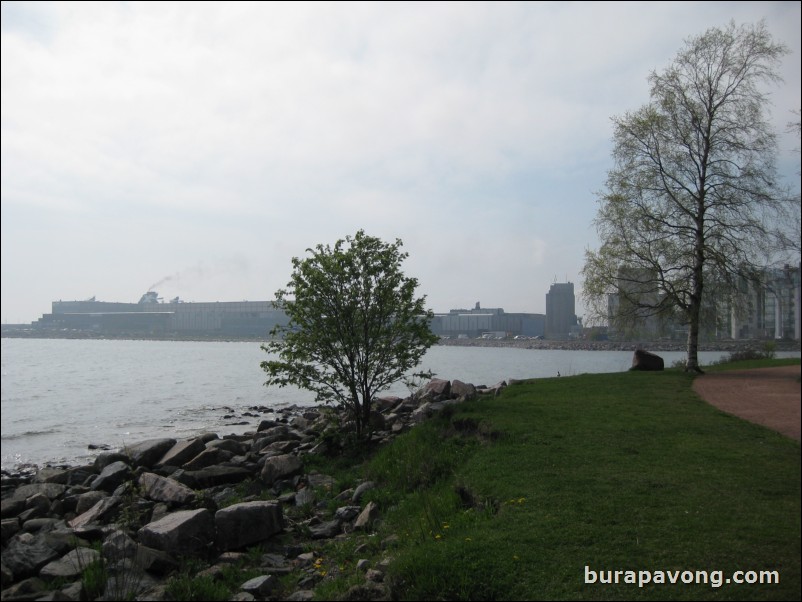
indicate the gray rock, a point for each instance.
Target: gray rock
{"x":235,"y":447}
{"x":101,"y":512}
{"x":367,"y":517}
{"x":27,"y":553}
{"x":111,"y":477}
{"x":87,"y":500}
{"x":462,"y":390}
{"x":247,"y":523}
{"x":71,"y":565}
{"x":260,"y":586}
{"x":280,"y":467}
{"x":325,"y":530}
{"x":181,"y":452}
{"x":212,"y":476}
{"x":147,"y":453}
{"x":208,"y":457}
{"x":438,"y":387}
{"x":183,"y":532}
{"x":119,"y":545}
{"x":109,"y":457}
{"x":50,"y":490}
{"x":305,"y":496}
{"x":347,"y":513}
{"x":360,"y":491}
{"x":164,"y":489}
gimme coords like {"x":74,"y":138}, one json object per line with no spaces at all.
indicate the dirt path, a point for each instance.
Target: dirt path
{"x":768,"y":396}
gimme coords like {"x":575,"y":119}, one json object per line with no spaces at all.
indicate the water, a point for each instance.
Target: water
{"x":59,"y":396}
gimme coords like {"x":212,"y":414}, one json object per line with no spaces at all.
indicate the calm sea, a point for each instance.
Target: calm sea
{"x":59,"y":396}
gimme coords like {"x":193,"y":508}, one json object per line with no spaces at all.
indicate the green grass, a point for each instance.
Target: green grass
{"x":510,"y":499}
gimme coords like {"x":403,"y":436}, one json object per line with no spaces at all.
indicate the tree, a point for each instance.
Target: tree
{"x":355,"y":325}
{"x":691,"y":200}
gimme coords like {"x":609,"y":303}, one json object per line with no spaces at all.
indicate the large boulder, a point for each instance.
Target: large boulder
{"x":182,"y":452}
{"x":247,"y":523}
{"x":184,"y":532}
{"x":280,"y":467}
{"x":164,"y":489}
{"x":643,"y":360}
{"x":147,"y":453}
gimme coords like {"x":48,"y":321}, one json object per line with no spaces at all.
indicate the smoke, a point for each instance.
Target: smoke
{"x":201,"y":272}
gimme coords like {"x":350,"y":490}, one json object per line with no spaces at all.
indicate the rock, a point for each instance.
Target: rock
{"x":280,"y":467}
{"x":111,"y":477}
{"x":439,"y":387}
{"x":235,"y":447}
{"x":163,"y":489}
{"x":87,"y":500}
{"x":643,"y":360}
{"x":71,"y":565}
{"x":347,"y":513}
{"x":104,"y":510}
{"x":325,"y":530}
{"x":181,"y":452}
{"x":147,"y":453}
{"x":27,"y":553}
{"x":183,"y":532}
{"x":212,"y":476}
{"x":360,"y":491}
{"x":109,"y":457}
{"x":247,"y":523}
{"x":260,"y":586}
{"x":367,"y":516}
{"x":210,"y":456}
{"x":461,"y":390}
{"x":305,"y":496}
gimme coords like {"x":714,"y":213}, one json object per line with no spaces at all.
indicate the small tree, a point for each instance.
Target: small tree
{"x":355,"y":326}
{"x":692,"y":204}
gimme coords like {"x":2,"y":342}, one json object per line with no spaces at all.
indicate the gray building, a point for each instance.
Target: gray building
{"x":151,"y":317}
{"x":561,"y":320}
{"x":476,"y":322}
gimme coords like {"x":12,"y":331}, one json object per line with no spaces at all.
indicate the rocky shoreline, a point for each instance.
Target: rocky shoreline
{"x":126,"y":526}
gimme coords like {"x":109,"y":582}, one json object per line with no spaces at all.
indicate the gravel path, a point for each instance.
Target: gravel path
{"x":767,"y":396}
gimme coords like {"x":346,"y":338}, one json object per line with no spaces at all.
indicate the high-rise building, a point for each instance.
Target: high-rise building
{"x":560,"y":310}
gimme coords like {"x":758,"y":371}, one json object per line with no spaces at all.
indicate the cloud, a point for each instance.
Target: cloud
{"x":476,"y":132}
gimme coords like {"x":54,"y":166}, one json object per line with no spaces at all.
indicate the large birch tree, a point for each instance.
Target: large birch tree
{"x":692,"y":199}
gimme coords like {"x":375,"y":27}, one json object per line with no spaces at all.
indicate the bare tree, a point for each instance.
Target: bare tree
{"x":692,"y":199}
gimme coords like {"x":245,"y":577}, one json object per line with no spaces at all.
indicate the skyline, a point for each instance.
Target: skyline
{"x":195,"y":149}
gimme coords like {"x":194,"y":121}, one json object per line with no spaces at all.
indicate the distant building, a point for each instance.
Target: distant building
{"x":770,"y":311}
{"x":476,"y":322}
{"x":151,"y":317}
{"x":561,"y":322}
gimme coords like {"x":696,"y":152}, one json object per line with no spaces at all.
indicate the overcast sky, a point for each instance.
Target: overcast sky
{"x":195,"y":148}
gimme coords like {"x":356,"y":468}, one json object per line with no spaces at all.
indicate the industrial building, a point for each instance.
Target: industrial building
{"x":151,"y":317}
{"x":488,"y":322}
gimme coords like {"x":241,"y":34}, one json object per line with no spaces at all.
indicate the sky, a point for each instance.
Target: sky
{"x":196,"y":148}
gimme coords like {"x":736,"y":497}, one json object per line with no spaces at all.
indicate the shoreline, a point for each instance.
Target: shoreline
{"x":542,"y":344}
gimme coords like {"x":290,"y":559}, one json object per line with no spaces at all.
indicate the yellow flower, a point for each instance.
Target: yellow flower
{"x":438,"y":536}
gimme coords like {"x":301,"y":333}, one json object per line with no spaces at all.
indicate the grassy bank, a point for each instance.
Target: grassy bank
{"x":512,"y":498}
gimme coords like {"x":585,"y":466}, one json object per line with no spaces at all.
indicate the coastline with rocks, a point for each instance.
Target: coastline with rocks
{"x":143,"y":510}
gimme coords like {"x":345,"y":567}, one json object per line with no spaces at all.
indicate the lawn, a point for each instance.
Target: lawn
{"x":524,"y":496}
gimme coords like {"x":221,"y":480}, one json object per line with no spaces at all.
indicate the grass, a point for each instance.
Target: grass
{"x":512,"y":498}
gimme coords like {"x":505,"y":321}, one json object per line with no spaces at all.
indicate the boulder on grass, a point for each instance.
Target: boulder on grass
{"x":643,"y":360}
